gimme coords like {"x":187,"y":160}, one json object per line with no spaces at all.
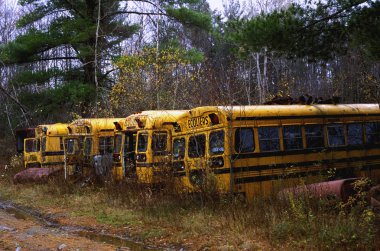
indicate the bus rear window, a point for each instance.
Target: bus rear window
{"x":292,"y":137}
{"x":269,"y":139}
{"x":216,"y":142}
{"x":142,"y":142}
{"x":159,"y":142}
{"x":179,"y":148}
{"x":244,"y":141}
{"x":314,"y":136}
{"x":335,"y":135}
{"x":372,"y":131}
{"x":105,"y":145}
{"x":197,"y":146}
{"x":354,"y":134}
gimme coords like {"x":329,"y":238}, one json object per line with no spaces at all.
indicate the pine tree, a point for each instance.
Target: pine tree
{"x":67,"y":47}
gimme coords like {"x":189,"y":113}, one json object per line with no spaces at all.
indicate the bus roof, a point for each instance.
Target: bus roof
{"x":58,"y":129}
{"x":92,"y":125}
{"x":150,"y":119}
{"x":259,"y":111}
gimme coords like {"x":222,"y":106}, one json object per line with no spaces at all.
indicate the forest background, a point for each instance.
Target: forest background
{"x":64,"y":59}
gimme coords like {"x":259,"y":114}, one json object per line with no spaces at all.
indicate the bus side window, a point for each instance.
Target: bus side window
{"x":105,"y":145}
{"x":269,"y":138}
{"x":244,"y":140}
{"x":292,"y":137}
{"x":314,"y":136}
{"x":335,"y":135}
{"x":216,"y":143}
{"x":159,"y":142}
{"x":197,"y":146}
{"x":354,"y":134}
{"x":372,"y":131}
{"x":179,"y":146}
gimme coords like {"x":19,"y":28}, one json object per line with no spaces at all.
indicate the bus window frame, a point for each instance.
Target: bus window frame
{"x":162,"y":151}
{"x":117,"y":147}
{"x":270,"y":139}
{"x":235,"y":140}
{"x":323,"y":135}
{"x":211,"y":153}
{"x":191,"y":156}
{"x":84,"y":146}
{"x":43,"y":144}
{"x":146,"y":147}
{"x":343,"y":126}
{"x":301,"y":137}
{"x":362,"y":136}
{"x":108,"y":145}
{"x":35,"y":145}
{"x":366,"y":134}
{"x":184,"y":148}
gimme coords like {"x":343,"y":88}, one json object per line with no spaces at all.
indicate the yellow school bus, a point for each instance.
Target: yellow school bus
{"x":143,"y":145}
{"x":46,"y":148}
{"x":89,"y":146}
{"x":257,"y":150}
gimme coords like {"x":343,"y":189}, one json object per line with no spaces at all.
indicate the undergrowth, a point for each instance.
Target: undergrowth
{"x":204,"y":221}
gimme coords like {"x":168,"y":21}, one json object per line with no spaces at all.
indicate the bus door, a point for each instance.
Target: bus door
{"x":129,"y":156}
{"x":196,"y":161}
{"x":32,"y":156}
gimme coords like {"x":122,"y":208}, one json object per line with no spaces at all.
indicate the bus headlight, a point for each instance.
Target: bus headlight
{"x":116,"y":157}
{"x":179,"y":166}
{"x":141,"y":157}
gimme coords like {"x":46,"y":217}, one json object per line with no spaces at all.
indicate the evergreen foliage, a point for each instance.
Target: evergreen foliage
{"x":319,"y":31}
{"x":61,"y":32}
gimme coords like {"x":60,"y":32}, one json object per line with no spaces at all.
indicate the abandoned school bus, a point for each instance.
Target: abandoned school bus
{"x":89,"y":146}
{"x":46,"y":148}
{"x":143,"y":145}
{"x":257,"y":150}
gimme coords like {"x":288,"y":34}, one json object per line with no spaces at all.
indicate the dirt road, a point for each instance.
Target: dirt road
{"x":23,"y":230}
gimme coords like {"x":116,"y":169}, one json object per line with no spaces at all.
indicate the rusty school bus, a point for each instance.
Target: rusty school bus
{"x":89,"y":146}
{"x":257,"y":150}
{"x":143,"y":144}
{"x":46,"y":148}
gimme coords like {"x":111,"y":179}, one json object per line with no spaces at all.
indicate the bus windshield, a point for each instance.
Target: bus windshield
{"x":70,"y":146}
{"x":179,"y":148}
{"x":31,"y":145}
{"x":117,"y":144}
{"x":142,"y":142}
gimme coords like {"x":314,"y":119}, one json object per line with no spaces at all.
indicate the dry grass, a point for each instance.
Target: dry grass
{"x":206,"y":222}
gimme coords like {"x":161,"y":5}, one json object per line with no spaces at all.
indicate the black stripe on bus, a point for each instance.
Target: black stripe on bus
{"x":296,"y":175}
{"x":299,"y":164}
{"x":337,"y":116}
{"x":52,"y":163}
{"x":53,"y":153}
{"x":302,"y":151}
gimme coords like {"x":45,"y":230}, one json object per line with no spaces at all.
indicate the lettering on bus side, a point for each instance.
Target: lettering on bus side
{"x":198,"y":122}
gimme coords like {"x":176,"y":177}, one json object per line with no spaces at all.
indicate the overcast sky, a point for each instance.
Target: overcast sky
{"x":216,"y":4}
